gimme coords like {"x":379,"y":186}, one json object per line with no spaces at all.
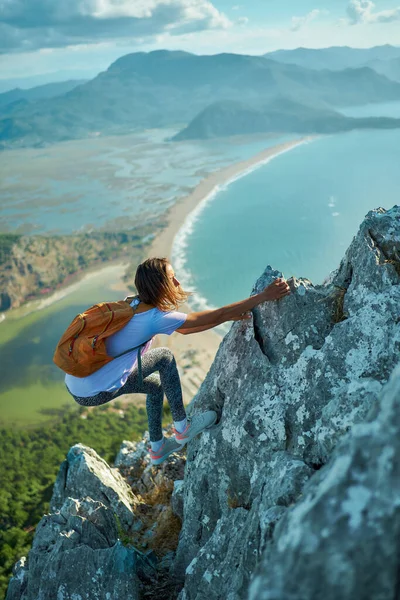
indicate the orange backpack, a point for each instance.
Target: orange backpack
{"x":82,"y":349}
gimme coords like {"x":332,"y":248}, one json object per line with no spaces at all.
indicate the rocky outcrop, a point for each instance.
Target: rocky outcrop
{"x":107,"y":537}
{"x":34,"y":266}
{"x":346,"y":525}
{"x":84,"y":473}
{"x":77,"y":553}
{"x":288,"y":387}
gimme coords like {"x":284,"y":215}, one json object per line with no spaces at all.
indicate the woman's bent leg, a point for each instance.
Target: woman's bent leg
{"x":162,"y":360}
{"x":151,"y":386}
{"x":154,"y":406}
{"x":97,"y":400}
{"x":168,"y":381}
{"x":171,"y":382}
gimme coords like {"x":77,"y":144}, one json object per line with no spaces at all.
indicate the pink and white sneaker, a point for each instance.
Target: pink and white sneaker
{"x":169,"y":446}
{"x":195,"y":425}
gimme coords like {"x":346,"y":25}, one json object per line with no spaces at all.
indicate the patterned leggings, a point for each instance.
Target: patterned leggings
{"x":154,"y":385}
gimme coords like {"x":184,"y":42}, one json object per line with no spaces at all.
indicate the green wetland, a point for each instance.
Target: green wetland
{"x":31,"y":386}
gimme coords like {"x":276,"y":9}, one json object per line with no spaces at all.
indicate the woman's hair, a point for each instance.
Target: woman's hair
{"x":155,"y":287}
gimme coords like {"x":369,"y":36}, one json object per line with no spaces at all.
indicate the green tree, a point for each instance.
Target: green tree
{"x":26,"y":490}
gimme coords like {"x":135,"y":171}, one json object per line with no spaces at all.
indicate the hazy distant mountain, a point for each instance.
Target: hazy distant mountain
{"x":232,"y":76}
{"x":335,"y":58}
{"x":164,"y":88}
{"x":44,"y":78}
{"x":389,"y":68}
{"x":49,"y":90}
{"x":282,"y":115}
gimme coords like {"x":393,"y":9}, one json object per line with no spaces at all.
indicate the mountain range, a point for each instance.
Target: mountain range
{"x":383,"y":59}
{"x":163,"y":88}
{"x":48,"y":90}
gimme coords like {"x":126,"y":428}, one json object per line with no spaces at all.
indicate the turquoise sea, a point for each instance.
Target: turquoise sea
{"x":297,"y":213}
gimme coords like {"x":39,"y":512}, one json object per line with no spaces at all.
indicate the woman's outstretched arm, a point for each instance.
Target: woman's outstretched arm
{"x":200,"y":321}
{"x":186,"y":331}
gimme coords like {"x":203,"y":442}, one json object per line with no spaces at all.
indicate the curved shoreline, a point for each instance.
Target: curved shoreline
{"x":177,"y":218}
{"x":207,"y":189}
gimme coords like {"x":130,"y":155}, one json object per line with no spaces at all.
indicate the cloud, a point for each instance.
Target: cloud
{"x":299,"y":22}
{"x":362,"y":11}
{"x":32,"y":24}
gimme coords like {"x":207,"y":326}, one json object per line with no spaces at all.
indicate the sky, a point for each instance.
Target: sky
{"x":47,"y":40}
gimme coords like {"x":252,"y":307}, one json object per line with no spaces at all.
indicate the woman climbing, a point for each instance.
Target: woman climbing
{"x":159,"y":294}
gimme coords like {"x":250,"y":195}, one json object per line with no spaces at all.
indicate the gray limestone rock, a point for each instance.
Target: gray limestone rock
{"x":76,"y":555}
{"x":84,"y":473}
{"x":287,"y":387}
{"x":133,"y":461}
{"x":177,"y":498}
{"x":225,"y":564}
{"x":133,"y":454}
{"x":346,"y":526}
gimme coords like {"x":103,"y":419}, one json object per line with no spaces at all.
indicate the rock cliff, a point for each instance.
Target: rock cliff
{"x":33,"y":266}
{"x":277,"y":494}
{"x":292,"y":495}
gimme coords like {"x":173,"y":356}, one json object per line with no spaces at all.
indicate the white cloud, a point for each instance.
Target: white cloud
{"x":242,"y":21}
{"x":299,"y":22}
{"x":363,"y":11}
{"x":84,"y":61}
{"x":31,"y":24}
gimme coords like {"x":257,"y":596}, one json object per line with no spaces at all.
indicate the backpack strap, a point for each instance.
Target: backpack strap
{"x":139,"y":358}
{"x":139,"y":348}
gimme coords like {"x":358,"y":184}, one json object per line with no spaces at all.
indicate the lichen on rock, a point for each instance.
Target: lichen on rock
{"x":99,"y":541}
{"x":346,"y":525}
{"x":76,"y":555}
{"x":84,"y":473}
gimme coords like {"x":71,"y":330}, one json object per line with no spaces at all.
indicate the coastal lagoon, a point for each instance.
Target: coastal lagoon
{"x":297,"y":213}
